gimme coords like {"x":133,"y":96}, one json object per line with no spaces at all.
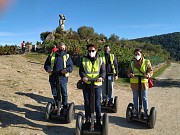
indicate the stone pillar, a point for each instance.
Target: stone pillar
{"x":62,"y":21}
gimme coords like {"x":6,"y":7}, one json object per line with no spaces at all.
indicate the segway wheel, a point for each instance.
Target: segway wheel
{"x":49,"y":108}
{"x":115,"y":106}
{"x":70,"y":113}
{"x":105,"y":123}
{"x":129,"y":112}
{"x":79,"y":123}
{"x":152,"y":117}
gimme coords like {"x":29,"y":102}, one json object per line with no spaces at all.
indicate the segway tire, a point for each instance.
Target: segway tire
{"x":152,"y":117}
{"x":129,"y":112}
{"x":105,"y":123}
{"x":49,"y":108}
{"x":70,"y":113}
{"x":79,"y":123}
{"x":115,"y":106}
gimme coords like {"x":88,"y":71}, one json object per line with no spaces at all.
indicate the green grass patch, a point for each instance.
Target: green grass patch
{"x":161,"y":70}
{"x":38,"y":57}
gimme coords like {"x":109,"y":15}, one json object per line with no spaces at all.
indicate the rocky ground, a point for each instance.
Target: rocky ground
{"x":25,"y":91}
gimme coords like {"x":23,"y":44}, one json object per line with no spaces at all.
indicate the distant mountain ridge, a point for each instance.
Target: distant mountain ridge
{"x":170,"y":41}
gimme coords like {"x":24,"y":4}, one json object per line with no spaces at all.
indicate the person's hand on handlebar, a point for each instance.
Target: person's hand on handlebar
{"x":130,"y":75}
{"x":85,"y":79}
{"x":99,"y":79}
{"x":146,"y":76}
{"x":115,"y":77}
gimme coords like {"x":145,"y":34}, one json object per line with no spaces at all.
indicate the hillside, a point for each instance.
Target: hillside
{"x":171,"y":42}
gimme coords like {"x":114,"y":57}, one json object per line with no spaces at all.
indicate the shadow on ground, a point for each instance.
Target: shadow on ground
{"x":8,"y":117}
{"x":167,"y":83}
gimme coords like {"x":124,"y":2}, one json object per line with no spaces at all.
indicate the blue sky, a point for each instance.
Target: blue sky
{"x":129,"y":19}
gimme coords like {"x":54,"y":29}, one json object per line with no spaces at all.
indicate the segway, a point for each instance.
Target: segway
{"x":104,"y":105}
{"x":82,"y":128}
{"x":52,"y":114}
{"x":140,"y":116}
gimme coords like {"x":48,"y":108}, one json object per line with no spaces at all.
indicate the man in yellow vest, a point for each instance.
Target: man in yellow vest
{"x":140,"y":66}
{"x":111,"y":66}
{"x":92,"y":67}
{"x":61,"y":63}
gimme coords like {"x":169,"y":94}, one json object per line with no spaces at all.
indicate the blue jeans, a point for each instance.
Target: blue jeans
{"x":63,"y":92}
{"x":111,"y":88}
{"x":87,"y":98}
{"x":144,"y":99}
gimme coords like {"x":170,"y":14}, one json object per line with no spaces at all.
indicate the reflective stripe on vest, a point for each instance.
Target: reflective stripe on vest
{"x":92,"y":71}
{"x":65,"y":58}
{"x":137,"y":72}
{"x":111,"y":60}
{"x":52,"y":55}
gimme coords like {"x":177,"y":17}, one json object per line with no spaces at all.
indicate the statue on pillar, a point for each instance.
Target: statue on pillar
{"x":62,"y":21}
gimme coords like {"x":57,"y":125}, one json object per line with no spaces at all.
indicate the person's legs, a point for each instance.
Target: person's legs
{"x":64,"y":94}
{"x":86,"y":95}
{"x":135,"y":101}
{"x":145,"y":100}
{"x":54,"y":92}
{"x":98,"y":104}
{"x":111,"y":88}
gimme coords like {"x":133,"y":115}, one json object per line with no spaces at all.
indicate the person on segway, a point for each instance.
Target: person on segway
{"x":60,"y":62}
{"x":111,"y":66}
{"x":92,"y":67}
{"x":140,"y":66}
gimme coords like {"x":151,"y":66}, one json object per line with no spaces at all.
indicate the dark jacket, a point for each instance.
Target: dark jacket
{"x":108,"y":64}
{"x":58,"y":67}
{"x":102,"y":69}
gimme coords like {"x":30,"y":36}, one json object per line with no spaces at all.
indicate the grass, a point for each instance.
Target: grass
{"x":161,"y":70}
{"x":39,"y":57}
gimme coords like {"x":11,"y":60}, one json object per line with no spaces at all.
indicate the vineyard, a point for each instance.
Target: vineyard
{"x":76,"y":46}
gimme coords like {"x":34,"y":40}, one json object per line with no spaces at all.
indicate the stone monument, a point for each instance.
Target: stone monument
{"x":62,"y":21}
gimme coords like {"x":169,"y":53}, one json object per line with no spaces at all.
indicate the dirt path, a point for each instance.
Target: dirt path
{"x":24,"y":92}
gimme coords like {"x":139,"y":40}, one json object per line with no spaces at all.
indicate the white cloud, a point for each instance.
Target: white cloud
{"x":2,"y":34}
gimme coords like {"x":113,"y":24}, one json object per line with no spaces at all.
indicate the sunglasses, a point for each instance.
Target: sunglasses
{"x":91,"y":50}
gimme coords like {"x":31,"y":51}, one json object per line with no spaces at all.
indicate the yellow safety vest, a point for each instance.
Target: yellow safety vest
{"x":92,"y":71}
{"x":65,"y":58}
{"x":111,"y":60}
{"x":136,"y":71}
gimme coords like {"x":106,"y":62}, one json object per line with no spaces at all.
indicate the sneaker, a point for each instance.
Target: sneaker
{"x":145,"y":116}
{"x":135,"y":113}
{"x":104,"y":102}
{"x":64,"y":111}
{"x":98,"y":124}
{"x":87,"y":124}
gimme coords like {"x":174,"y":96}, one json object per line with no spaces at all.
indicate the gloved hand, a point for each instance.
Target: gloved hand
{"x":63,"y":71}
{"x":85,"y":79}
{"x":99,"y":79}
{"x":49,"y":72}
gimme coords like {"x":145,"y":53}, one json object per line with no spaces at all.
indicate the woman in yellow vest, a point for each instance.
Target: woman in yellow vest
{"x":92,"y":67}
{"x":140,"y":66}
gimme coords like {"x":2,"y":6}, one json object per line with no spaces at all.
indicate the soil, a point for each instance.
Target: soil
{"x":25,"y":91}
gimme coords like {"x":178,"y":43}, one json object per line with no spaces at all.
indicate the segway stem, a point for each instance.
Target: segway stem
{"x":92,"y":105}
{"x":58,"y":88}
{"x":140,"y":97}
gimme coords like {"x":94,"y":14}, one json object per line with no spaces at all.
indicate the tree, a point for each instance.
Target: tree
{"x":114,"y":38}
{"x":85,"y":32}
{"x":43,"y":35}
